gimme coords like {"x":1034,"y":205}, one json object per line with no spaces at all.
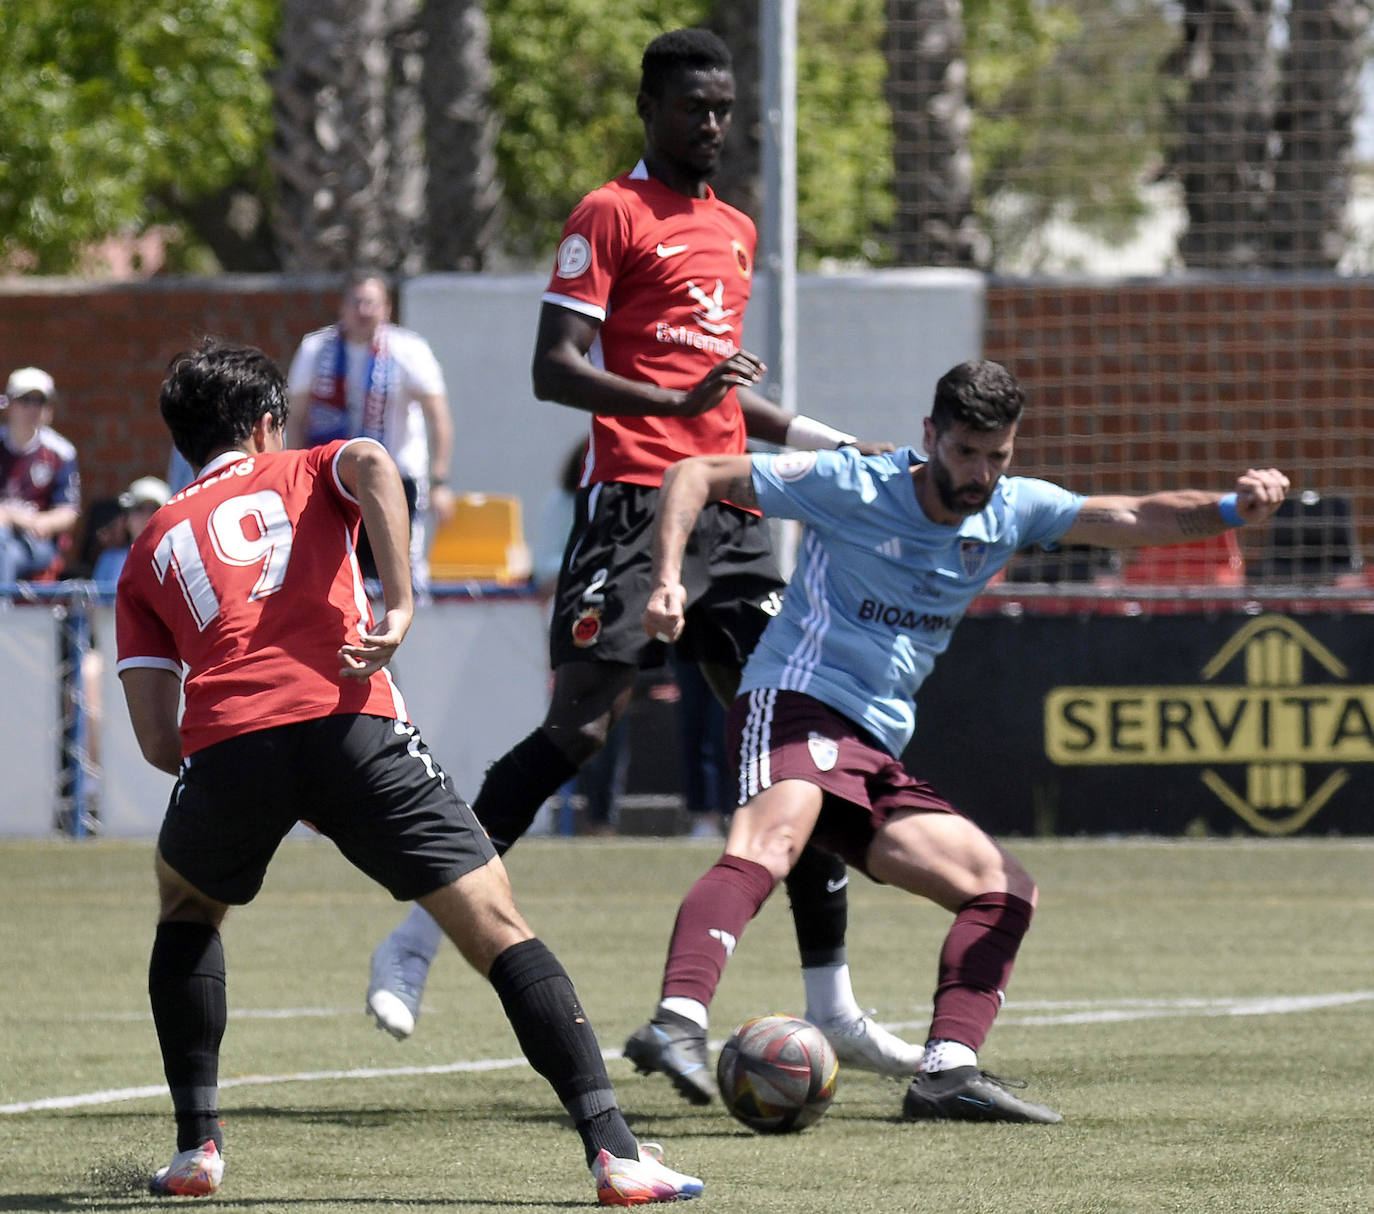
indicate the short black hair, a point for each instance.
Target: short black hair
{"x":681,"y":50}
{"x":213,"y":395}
{"x":981,"y":394}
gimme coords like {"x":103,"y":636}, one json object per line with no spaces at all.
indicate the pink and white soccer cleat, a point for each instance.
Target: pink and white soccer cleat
{"x":193,"y":1173}
{"x":642,"y":1181}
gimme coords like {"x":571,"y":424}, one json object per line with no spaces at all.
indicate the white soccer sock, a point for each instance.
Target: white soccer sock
{"x":693,"y":1009}
{"x":419,"y":933}
{"x":946,"y":1055}
{"x":829,"y":994}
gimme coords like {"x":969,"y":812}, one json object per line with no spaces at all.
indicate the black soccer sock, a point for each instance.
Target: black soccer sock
{"x":557,"y":1038}
{"x":186,"y":989}
{"x":517,"y":784}
{"x":817,"y":887}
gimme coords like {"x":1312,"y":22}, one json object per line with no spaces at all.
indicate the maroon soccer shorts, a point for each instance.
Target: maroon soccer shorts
{"x":784,"y":735}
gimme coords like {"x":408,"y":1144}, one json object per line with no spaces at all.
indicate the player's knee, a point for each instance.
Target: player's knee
{"x":1019,"y":882}
{"x":579,"y":743}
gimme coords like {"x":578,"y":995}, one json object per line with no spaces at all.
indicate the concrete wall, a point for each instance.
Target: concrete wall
{"x":872,"y":347}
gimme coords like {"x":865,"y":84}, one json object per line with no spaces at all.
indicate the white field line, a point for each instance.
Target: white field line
{"x":1041,"y":1014}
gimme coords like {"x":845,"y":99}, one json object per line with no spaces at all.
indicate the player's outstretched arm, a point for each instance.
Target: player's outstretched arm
{"x":370,"y":474}
{"x":687,"y":486}
{"x":1177,"y":516}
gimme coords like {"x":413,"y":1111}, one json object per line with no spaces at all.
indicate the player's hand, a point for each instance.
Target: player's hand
{"x":663,"y":617}
{"x":1259,"y":492}
{"x":374,"y":649}
{"x":867,"y":448}
{"x":441,"y":504}
{"x":740,"y":370}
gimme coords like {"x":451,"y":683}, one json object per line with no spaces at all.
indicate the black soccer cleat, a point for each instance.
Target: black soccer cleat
{"x":676,"y":1047}
{"x":964,"y":1093}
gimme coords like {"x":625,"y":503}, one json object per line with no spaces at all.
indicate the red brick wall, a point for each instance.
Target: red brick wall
{"x":1134,"y":386}
{"x":107,"y":346}
{"x":1149,"y":385}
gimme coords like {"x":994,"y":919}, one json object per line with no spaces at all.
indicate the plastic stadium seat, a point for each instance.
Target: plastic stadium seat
{"x":484,"y":541}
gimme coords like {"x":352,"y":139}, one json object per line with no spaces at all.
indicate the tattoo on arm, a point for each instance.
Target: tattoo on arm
{"x":741,"y":492}
{"x":1197,"y":520}
{"x":1095,"y":516}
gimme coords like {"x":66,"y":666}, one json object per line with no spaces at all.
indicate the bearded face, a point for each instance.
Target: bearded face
{"x":965,"y":465}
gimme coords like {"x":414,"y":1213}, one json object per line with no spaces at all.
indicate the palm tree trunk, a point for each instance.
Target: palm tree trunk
{"x":463,"y":197}
{"x":932,"y":167}
{"x":331,"y":153}
{"x":1221,"y":155}
{"x":1315,"y":125}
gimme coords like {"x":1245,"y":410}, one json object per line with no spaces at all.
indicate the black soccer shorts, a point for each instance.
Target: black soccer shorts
{"x":732,"y":582}
{"x":367,"y":783}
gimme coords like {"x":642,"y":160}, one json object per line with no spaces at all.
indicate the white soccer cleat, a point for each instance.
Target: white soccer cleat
{"x":863,"y":1044}
{"x":193,"y":1173}
{"x":396,"y":986}
{"x":642,"y":1181}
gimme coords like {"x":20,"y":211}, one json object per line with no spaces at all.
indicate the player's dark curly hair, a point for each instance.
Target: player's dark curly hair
{"x":213,"y":395}
{"x":981,"y":394}
{"x":680,"y":50}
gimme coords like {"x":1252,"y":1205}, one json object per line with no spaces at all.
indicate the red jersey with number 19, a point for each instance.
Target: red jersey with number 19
{"x":248,"y":578}
{"x":668,"y":277}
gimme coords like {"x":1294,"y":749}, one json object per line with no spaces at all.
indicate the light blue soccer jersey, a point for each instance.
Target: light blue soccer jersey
{"x":878,"y":587}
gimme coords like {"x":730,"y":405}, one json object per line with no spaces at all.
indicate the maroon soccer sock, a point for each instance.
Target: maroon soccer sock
{"x":710,"y":921}
{"x":975,"y":965}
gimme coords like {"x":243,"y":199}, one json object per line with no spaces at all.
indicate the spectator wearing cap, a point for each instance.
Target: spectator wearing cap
{"x":40,"y":488}
{"x":137,"y":504}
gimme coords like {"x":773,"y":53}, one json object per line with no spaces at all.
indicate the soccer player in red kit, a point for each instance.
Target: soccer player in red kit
{"x":641,"y":327}
{"x":249,"y":580}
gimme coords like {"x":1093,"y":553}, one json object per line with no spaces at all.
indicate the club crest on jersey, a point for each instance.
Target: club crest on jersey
{"x":742,"y":261}
{"x":586,"y":629}
{"x":973,"y":555}
{"x":825,"y":753}
{"x":574,"y":256}
{"x":793,"y":465}
{"x":40,"y":474}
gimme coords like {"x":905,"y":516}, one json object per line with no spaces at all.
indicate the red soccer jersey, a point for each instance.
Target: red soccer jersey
{"x":247,"y":577}
{"x":669,"y":277}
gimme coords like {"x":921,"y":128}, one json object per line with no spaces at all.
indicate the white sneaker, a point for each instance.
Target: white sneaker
{"x":863,"y":1043}
{"x":706,"y":826}
{"x":396,"y":986}
{"x":193,"y":1173}
{"x":642,"y":1181}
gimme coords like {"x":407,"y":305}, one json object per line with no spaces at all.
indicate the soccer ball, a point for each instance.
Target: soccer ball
{"x":777,"y":1074}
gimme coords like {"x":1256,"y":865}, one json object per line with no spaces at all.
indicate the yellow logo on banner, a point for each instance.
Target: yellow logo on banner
{"x":1273,"y":723}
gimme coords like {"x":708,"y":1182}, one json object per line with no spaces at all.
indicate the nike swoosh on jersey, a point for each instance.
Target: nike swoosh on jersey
{"x":669,"y":250}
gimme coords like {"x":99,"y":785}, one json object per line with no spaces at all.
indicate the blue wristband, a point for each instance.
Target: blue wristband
{"x":1229,"y":514}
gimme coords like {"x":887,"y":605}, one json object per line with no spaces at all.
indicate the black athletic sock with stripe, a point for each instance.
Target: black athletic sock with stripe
{"x":558,"y":1040}
{"x":817,"y":888}
{"x":186,"y":989}
{"x":517,"y":784}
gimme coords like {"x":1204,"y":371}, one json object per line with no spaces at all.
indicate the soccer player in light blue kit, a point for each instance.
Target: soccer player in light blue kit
{"x":894,"y":548}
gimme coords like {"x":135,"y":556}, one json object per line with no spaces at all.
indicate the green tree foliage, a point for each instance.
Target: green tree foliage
{"x":109,"y":111}
{"x":565,"y":77}
{"x":844,"y":136}
{"x":1069,"y":114}
{"x":117,"y":115}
